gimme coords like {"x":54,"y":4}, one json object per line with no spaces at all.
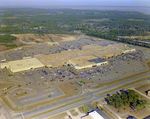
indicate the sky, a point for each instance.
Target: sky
{"x":48,"y":3}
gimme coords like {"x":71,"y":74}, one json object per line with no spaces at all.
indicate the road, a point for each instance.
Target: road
{"x":90,"y":95}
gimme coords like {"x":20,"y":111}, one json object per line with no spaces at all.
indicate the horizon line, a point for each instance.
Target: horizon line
{"x":65,"y":6}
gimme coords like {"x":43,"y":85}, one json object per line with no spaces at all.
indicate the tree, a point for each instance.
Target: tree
{"x":126,"y":98}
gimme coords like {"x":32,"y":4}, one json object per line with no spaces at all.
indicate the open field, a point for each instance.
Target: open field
{"x":71,"y":90}
{"x":84,"y":109}
{"x":32,"y":38}
{"x":94,"y":104}
{"x":139,"y":114}
{"x":62,"y":37}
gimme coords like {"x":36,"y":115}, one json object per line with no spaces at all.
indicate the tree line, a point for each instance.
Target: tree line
{"x":126,"y":98}
{"x":7,"y":38}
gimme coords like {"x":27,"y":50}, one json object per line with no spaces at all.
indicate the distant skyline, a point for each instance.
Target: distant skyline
{"x":67,"y":3}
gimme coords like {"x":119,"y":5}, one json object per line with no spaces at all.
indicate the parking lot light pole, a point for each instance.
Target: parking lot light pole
{"x":22,"y":115}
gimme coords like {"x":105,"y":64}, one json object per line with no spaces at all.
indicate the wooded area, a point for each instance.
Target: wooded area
{"x":126,"y":98}
{"x":7,"y":38}
{"x":104,"y":24}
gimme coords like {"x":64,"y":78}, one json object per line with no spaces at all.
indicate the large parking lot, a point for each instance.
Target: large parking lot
{"x":43,"y":84}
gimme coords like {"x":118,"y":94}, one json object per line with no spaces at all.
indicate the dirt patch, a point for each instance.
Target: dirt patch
{"x":59,"y":116}
{"x":2,"y":86}
{"x":120,"y":111}
{"x":140,"y":114}
{"x":71,"y":38}
{"x":36,"y":38}
{"x":69,"y":89}
{"x":62,"y":37}
{"x":2,"y":48}
{"x":32,"y":38}
{"x":18,"y":42}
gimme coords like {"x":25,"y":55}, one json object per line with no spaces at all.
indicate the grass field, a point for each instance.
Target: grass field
{"x":73,"y":112}
{"x":84,"y":109}
{"x":94,"y":104}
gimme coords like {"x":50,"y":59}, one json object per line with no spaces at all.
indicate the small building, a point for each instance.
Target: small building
{"x":95,"y":115}
{"x":92,"y":115}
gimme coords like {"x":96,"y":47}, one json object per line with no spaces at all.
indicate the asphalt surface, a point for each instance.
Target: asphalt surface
{"x":90,"y":95}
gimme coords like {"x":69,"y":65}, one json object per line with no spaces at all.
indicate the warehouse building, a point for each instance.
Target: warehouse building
{"x":26,"y":63}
